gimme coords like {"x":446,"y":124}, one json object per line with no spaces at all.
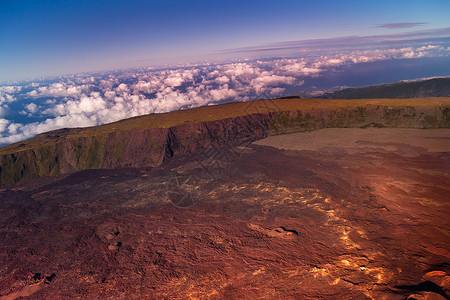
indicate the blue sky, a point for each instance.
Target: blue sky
{"x":44,"y":38}
{"x":129,"y":58}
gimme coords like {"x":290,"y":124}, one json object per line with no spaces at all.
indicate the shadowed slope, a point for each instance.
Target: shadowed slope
{"x":308,"y":221}
{"x":152,"y":139}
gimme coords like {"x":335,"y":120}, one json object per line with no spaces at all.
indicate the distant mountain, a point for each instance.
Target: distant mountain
{"x":437,"y":87}
{"x":153,"y":139}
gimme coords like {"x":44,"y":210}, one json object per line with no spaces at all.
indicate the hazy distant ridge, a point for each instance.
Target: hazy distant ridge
{"x":437,"y":87}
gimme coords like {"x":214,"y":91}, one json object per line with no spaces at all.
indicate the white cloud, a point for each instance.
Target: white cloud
{"x":110,"y":95}
{"x":60,"y":89}
{"x":277,"y":91}
{"x":32,"y":108}
{"x":239,"y":69}
{"x":149,"y":86}
{"x":222,"y":79}
{"x":18,"y":132}
{"x":178,"y":77}
{"x":13,"y":128}
{"x":300,"y":69}
{"x":83,"y":100}
{"x":174,"y":81}
{"x":88,"y":105}
{"x":3,"y":124}
{"x":412,"y":54}
{"x":122,"y":88}
{"x":223,"y":93}
{"x":268,"y":79}
{"x":11,"y":89}
{"x":4,"y":97}
{"x":430,"y":47}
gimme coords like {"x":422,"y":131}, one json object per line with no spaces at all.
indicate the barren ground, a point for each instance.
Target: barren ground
{"x":331,"y":214}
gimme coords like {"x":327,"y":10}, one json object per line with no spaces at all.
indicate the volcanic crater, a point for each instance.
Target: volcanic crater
{"x":335,"y":213}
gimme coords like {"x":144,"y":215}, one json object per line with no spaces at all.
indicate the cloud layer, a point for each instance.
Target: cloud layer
{"x":397,"y":40}
{"x":400,"y":25}
{"x":87,"y":100}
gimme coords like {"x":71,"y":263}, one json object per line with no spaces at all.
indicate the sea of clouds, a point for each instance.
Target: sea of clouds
{"x":30,"y":108}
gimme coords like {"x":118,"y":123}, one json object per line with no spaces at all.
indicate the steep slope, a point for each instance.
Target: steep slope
{"x":437,"y":87}
{"x":295,"y":216}
{"x":150,"y":140}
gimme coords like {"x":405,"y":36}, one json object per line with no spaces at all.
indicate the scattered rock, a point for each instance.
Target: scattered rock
{"x":279,"y":232}
{"x":115,"y":246}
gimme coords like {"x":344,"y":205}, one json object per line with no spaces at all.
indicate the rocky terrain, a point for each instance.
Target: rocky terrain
{"x":150,"y":140}
{"x":223,"y":203}
{"x":358,"y":213}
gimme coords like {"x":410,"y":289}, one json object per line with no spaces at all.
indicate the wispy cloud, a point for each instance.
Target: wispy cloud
{"x":347,"y":42}
{"x":87,"y":100}
{"x":400,"y":25}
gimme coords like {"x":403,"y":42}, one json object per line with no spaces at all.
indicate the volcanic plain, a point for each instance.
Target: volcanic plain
{"x":334,"y":213}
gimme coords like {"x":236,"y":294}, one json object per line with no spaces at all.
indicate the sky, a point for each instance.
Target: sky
{"x":66,"y":64}
{"x":45,"y":38}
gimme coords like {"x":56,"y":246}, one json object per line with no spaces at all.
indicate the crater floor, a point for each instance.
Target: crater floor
{"x":333,"y":214}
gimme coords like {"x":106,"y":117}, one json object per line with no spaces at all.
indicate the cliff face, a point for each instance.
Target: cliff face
{"x":151,"y":147}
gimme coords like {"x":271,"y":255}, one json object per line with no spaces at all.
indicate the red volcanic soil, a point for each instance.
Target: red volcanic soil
{"x":253,"y":222}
